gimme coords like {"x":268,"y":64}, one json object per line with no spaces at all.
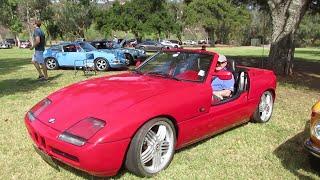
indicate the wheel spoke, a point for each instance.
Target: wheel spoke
{"x":147,"y":155}
{"x":151,"y":138}
{"x":263,"y":115}
{"x":164,"y":147}
{"x":161,"y":134}
{"x":156,"y":161}
{"x":268,"y":100}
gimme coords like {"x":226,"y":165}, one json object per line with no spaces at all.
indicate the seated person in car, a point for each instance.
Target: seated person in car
{"x":222,"y":88}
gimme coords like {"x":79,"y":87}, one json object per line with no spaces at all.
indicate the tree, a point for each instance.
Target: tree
{"x":73,"y":17}
{"x":217,"y":17}
{"x":286,"y":17}
{"x":9,"y":16}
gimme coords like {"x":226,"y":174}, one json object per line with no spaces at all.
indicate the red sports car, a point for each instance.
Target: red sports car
{"x":138,"y":119}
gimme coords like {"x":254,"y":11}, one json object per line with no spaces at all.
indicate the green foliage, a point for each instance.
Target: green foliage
{"x":73,"y":18}
{"x":217,"y":17}
{"x":9,"y":15}
{"x":309,"y":30}
{"x":139,"y":17}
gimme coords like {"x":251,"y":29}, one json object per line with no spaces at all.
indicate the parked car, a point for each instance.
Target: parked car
{"x":175,"y":41}
{"x":170,"y":44}
{"x":203,"y":41}
{"x":5,"y":45}
{"x":312,"y":144}
{"x":189,"y":42}
{"x":67,"y":54}
{"x":138,"y":119}
{"x":11,"y":41}
{"x":131,"y":54}
{"x":25,"y":44}
{"x":150,"y":46}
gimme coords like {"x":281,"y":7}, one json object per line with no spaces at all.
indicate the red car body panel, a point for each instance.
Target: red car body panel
{"x":127,"y":101}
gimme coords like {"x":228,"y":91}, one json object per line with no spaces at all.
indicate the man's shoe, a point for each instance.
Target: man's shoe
{"x":40,"y":77}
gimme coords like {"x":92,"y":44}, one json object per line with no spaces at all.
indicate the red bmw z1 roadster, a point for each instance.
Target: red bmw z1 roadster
{"x":138,"y":119}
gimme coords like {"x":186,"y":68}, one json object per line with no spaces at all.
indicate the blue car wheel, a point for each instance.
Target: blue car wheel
{"x":101,"y":64}
{"x":51,"y":63}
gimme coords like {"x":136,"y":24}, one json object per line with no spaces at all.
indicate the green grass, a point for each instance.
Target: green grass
{"x":252,"y":151}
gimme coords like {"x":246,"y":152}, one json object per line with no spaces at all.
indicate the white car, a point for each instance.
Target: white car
{"x":169,"y":44}
{"x":189,"y":42}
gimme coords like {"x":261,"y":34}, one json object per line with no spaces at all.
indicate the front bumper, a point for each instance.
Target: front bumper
{"x":104,"y":159}
{"x":312,"y":148}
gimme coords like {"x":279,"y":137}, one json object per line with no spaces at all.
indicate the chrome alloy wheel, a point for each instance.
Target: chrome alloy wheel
{"x":51,"y":63}
{"x":266,"y":106}
{"x":101,"y":64}
{"x":158,"y":146}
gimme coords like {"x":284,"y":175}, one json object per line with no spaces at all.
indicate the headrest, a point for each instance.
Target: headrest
{"x":231,"y":66}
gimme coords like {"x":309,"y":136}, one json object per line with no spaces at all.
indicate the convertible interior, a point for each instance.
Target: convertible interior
{"x":241,"y":83}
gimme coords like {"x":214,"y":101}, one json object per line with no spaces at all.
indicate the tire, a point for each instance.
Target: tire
{"x":150,"y":146}
{"x":101,"y":64}
{"x":51,"y":63}
{"x":129,"y":58}
{"x":264,"y":110}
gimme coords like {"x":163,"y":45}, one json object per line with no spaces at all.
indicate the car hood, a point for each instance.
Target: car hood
{"x":100,"y":96}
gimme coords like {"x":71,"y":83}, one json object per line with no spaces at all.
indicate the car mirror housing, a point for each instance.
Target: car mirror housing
{"x":223,"y":75}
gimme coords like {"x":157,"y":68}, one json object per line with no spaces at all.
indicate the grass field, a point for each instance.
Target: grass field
{"x":251,"y":151}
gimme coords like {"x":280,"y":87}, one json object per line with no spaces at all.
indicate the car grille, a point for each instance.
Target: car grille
{"x":42,"y":145}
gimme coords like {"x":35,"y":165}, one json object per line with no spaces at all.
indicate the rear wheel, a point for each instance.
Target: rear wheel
{"x":152,"y":148}
{"x":101,"y":64}
{"x":264,"y":110}
{"x":51,"y":63}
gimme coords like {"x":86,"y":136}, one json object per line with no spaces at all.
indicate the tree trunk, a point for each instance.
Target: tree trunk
{"x":286,"y":17}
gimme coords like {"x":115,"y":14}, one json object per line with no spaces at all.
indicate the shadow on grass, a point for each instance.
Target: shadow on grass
{"x":306,"y":73}
{"x":12,"y":86}
{"x":295,"y":158}
{"x":10,"y":65}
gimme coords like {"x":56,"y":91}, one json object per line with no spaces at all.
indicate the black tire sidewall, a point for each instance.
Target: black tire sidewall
{"x":133,"y":162}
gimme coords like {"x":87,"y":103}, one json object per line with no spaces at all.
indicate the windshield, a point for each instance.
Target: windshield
{"x":178,"y":65}
{"x":87,"y":47}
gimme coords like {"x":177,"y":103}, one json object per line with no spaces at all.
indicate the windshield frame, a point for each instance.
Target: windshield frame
{"x":138,"y":69}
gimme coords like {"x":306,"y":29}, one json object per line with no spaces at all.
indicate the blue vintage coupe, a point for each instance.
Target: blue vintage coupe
{"x":79,"y":54}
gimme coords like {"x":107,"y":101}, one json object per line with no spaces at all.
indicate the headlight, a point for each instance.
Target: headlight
{"x":38,"y":108}
{"x":82,"y":131}
{"x":316,"y":130}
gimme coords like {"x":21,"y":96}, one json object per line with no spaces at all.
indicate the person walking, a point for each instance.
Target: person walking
{"x":39,"y":46}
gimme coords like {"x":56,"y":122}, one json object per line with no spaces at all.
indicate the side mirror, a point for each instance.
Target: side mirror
{"x":223,"y":75}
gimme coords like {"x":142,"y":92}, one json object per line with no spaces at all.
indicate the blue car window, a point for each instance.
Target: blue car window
{"x":87,"y":47}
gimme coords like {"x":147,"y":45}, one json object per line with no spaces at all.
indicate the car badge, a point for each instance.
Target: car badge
{"x":52,"y":120}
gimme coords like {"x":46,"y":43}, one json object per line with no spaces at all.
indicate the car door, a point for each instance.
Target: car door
{"x":72,"y":55}
{"x":228,"y":113}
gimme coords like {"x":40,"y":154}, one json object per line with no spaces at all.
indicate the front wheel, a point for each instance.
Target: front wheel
{"x":51,"y":63}
{"x":101,"y":64}
{"x":264,"y":110}
{"x":152,"y":148}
